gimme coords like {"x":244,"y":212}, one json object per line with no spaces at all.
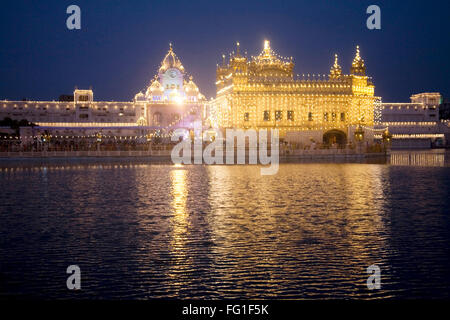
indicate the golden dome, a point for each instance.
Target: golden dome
{"x":268,"y":63}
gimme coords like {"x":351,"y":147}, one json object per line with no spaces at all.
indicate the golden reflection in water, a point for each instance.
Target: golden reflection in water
{"x":179,"y":223}
{"x":365,"y":200}
{"x":301,"y":212}
{"x":245,"y":220}
{"x":179,"y":196}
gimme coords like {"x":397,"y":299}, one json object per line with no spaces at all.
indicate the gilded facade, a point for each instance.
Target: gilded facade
{"x":262,"y":92}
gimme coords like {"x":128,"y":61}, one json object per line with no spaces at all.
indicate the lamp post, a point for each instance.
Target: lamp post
{"x":359,"y":131}
{"x":46,"y":140}
{"x":149,"y":141}
{"x":387,"y":139}
{"x":99,"y":140}
{"x":359,"y":136}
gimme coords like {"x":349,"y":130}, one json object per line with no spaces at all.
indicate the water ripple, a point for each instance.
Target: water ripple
{"x":141,"y":231}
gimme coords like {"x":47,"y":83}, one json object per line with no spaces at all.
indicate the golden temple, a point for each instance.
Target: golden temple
{"x":262,"y":92}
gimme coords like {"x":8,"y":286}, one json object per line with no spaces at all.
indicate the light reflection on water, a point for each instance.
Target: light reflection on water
{"x":146,"y":231}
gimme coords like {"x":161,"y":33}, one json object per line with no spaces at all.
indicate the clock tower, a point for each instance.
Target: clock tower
{"x":171,"y":85}
{"x":172,"y":99}
{"x":171,"y":77}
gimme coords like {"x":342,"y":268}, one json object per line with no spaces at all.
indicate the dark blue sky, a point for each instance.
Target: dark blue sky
{"x":121,"y":43}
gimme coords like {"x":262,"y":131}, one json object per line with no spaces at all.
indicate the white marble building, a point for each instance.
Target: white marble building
{"x":415,"y":124}
{"x":170,"y":101}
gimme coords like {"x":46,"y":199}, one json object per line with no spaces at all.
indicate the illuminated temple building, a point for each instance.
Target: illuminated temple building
{"x":170,"y":101}
{"x":259,"y":92}
{"x":262,"y":92}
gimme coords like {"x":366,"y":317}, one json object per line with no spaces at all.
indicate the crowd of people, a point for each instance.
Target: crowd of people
{"x":12,"y":144}
{"x":16,"y":145}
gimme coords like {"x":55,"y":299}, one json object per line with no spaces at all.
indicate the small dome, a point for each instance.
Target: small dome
{"x":139,"y":97}
{"x":154,"y":88}
{"x":156,"y":85}
{"x":190,"y":87}
{"x":358,"y":67}
{"x":336,"y":70}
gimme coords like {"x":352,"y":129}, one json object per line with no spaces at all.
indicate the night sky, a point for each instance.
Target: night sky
{"x":121,"y":43}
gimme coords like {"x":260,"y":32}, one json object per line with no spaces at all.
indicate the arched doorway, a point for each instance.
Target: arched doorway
{"x":334,"y":136}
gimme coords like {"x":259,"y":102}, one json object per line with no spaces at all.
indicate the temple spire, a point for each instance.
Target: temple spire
{"x":358,"y":67}
{"x":336,"y":70}
{"x":357,"y":57}
{"x":267,"y":46}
